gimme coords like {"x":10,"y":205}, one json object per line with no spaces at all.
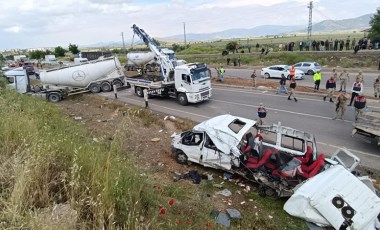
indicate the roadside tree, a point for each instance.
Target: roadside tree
{"x":375,"y":26}
{"x":59,"y":51}
{"x":74,"y":49}
{"x":37,"y":54}
{"x":231,"y":46}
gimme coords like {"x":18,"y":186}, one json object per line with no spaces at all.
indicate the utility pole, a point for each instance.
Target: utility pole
{"x":310,"y":6}
{"x":184,"y":32}
{"x":122,"y":36}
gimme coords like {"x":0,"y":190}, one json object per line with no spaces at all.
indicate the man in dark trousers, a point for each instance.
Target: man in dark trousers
{"x":261,"y":113}
{"x":330,"y":86}
{"x":359,"y":104}
{"x":293,"y":86}
{"x":282,"y":87}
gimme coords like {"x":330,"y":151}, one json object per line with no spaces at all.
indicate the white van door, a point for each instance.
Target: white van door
{"x":213,"y":157}
{"x":192,"y":146}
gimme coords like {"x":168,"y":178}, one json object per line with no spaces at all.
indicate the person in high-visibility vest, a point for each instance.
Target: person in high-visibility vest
{"x":221,"y":73}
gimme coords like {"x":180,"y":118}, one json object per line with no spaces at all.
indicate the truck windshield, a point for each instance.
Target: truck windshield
{"x":200,"y":75}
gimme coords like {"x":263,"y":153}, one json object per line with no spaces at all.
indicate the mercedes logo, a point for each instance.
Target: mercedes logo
{"x":79,"y":75}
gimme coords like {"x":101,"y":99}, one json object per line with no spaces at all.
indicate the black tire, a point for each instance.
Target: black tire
{"x":266,"y":76}
{"x":117,"y":83}
{"x":94,"y":88}
{"x":181,"y":157}
{"x":106,"y":86}
{"x":261,"y":191}
{"x":348,"y":212}
{"x":54,"y":97}
{"x":338,"y":202}
{"x":139,"y":91}
{"x":310,"y":72}
{"x":182,"y":99}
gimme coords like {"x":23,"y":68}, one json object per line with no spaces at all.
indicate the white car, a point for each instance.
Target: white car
{"x":308,"y":68}
{"x":275,"y":71}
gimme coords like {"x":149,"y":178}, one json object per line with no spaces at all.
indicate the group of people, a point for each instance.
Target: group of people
{"x":357,"y":99}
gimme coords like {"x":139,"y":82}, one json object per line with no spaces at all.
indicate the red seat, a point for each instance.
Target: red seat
{"x":306,"y":159}
{"x":254,"y":165}
{"x":313,"y":169}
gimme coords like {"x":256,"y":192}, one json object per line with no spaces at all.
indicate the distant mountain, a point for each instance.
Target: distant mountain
{"x":324,"y":26}
{"x":341,"y":25}
{"x":237,"y":33}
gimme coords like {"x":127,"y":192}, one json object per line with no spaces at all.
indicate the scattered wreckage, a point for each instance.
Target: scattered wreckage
{"x":284,"y":161}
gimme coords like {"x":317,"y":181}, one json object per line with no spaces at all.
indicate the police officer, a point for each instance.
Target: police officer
{"x":357,"y":88}
{"x":221,"y":73}
{"x":330,"y":86}
{"x":359,"y":104}
{"x":376,"y":87}
{"x":317,"y":80}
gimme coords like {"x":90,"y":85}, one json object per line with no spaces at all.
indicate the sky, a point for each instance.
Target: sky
{"x":51,"y":23}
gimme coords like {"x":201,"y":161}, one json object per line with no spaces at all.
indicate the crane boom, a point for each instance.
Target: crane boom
{"x":167,"y":68}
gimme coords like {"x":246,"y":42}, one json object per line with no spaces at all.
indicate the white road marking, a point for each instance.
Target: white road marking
{"x":272,"y":95}
{"x":352,"y":150}
{"x":280,"y":110}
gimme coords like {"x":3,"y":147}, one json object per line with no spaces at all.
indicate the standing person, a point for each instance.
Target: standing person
{"x":282,"y":87}
{"x":261,"y":113}
{"x":228,"y":61}
{"x":317,"y":80}
{"x":341,"y":100}
{"x":357,"y":88}
{"x":235,"y":61}
{"x":239,"y":60}
{"x":376,"y":87}
{"x":221,"y":74}
{"x":360,"y":77}
{"x":334,"y":73}
{"x":353,"y":43}
{"x":293,"y":86}
{"x":218,"y":73}
{"x":253,"y":76}
{"x":292,"y":72}
{"x":145,"y":91}
{"x":359,"y":104}
{"x":330,"y":86}
{"x":344,"y":77}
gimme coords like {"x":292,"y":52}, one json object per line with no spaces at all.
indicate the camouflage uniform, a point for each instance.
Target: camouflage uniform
{"x":376,"y":87}
{"x":360,"y":77}
{"x":344,"y":78}
{"x":340,"y":106}
{"x":253,"y":76}
{"x":335,"y":74}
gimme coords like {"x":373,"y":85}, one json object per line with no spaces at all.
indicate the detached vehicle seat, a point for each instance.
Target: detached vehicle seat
{"x":255,"y":163}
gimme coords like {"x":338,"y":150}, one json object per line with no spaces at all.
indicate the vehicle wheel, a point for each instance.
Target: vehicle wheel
{"x":261,"y":191}
{"x":106,"y":86}
{"x":310,"y":72}
{"x":117,"y":83}
{"x":182,"y":99}
{"x":348,"y":212}
{"x":338,"y":202}
{"x":266,"y":75}
{"x":288,"y":77}
{"x":94,"y":88}
{"x":139,"y":91}
{"x":181,"y":157}
{"x":54,"y":97}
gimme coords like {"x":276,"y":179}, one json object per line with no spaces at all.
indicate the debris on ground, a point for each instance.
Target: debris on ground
{"x":193,"y":175}
{"x":224,"y":218}
{"x":225,"y":192}
{"x":227,"y":176}
{"x":233,"y":213}
{"x":156,"y":139}
{"x":77,"y":118}
{"x":217,"y":185}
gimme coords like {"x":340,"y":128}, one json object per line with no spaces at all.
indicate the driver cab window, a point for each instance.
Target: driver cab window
{"x":186,"y":78}
{"x":208,"y":143}
{"x":192,"y":139}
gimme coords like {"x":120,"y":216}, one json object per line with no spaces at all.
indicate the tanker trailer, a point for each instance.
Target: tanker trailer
{"x":141,"y":59}
{"x":93,"y":76}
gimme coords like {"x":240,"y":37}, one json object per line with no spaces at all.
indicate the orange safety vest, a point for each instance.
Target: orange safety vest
{"x":292,"y":71}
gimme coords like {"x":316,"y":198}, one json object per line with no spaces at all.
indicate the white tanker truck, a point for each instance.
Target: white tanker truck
{"x":93,"y":76}
{"x":149,"y":61}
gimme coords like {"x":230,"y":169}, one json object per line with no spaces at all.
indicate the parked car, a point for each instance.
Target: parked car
{"x":308,"y":67}
{"x":29,"y":68}
{"x":275,"y":71}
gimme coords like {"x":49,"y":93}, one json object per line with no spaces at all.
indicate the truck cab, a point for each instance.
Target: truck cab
{"x":192,"y":81}
{"x":17,"y":79}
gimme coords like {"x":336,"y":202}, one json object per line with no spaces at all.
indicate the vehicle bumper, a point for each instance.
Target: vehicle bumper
{"x":198,"y":97}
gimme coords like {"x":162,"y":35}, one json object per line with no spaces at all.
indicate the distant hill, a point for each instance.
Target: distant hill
{"x":339,"y":25}
{"x":324,"y":26}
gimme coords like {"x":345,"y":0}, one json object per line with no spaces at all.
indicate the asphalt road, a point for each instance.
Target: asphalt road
{"x":310,"y":114}
{"x":369,"y":78}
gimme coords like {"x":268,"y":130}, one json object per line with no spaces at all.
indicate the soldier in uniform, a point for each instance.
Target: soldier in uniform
{"x":376,"y":87}
{"x":330,"y":86}
{"x":341,"y":100}
{"x":344,"y":77}
{"x":253,"y":76}
{"x":334,"y":74}
{"x":360,"y":77}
